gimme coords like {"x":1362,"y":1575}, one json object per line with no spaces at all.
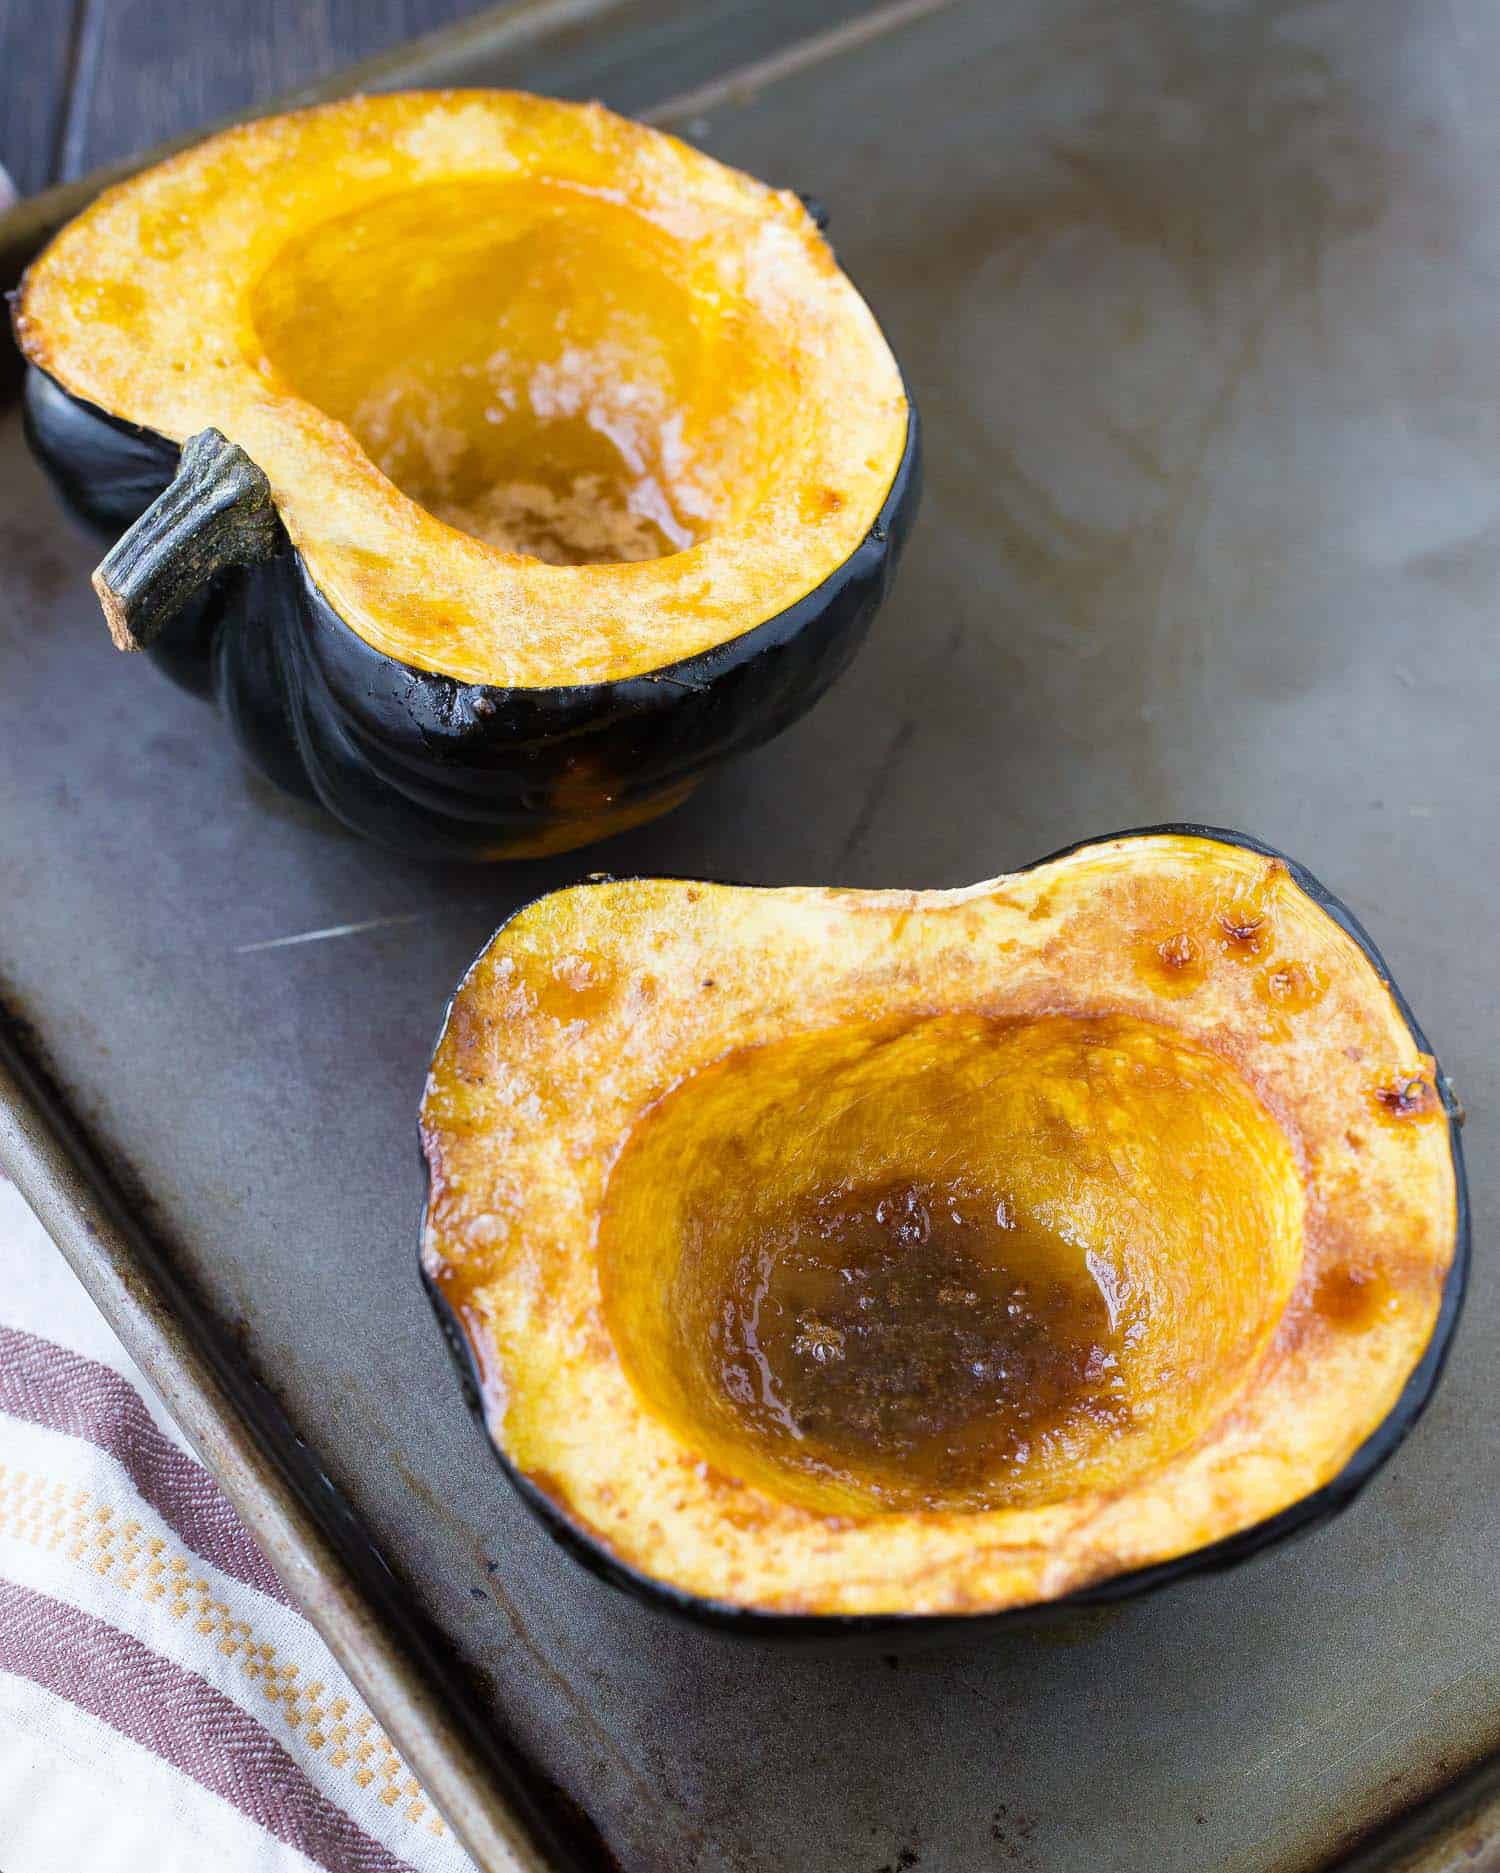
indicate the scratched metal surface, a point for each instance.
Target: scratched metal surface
{"x":1200,"y":305}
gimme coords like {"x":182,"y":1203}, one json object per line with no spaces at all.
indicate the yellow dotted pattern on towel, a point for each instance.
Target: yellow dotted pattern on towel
{"x":72,"y":1522}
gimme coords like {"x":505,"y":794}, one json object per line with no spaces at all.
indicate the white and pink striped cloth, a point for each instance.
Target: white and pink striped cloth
{"x":163,"y":1709}
{"x":162,"y":1706}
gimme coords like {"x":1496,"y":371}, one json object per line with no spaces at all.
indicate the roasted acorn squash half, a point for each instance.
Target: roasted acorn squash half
{"x":823,"y":1258}
{"x":537,"y":461}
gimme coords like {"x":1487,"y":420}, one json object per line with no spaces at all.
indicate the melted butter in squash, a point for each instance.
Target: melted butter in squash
{"x":538,"y":366}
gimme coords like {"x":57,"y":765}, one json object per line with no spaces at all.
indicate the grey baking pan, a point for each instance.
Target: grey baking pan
{"x":1202,"y":308}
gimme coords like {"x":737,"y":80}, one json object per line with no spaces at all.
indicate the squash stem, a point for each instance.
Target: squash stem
{"x":215,"y":513}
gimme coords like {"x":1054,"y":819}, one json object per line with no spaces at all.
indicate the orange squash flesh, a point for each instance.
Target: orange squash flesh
{"x":868,"y":1252}
{"x":545,"y":398}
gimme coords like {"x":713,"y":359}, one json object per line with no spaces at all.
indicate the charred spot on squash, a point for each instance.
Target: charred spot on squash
{"x":1243,"y":930}
{"x":820,"y":504}
{"x":888,"y":1267}
{"x":1351,"y":1297}
{"x":1290,"y":987}
{"x":1173,"y":964}
{"x":1406,"y":1095}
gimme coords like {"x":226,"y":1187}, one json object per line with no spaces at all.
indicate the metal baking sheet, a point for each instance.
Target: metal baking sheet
{"x":1200,"y":305}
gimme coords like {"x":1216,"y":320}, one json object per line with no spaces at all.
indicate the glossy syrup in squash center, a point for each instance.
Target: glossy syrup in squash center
{"x":919,"y":1339}
{"x":951,"y":1262}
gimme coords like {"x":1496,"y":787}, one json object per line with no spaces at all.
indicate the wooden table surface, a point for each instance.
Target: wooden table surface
{"x":83,"y":82}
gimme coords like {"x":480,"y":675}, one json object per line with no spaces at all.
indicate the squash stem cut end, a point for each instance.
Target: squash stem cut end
{"x":216,"y":513}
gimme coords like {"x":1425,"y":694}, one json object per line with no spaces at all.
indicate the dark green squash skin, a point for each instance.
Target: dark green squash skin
{"x":438,"y":767}
{"x":883,"y":1631}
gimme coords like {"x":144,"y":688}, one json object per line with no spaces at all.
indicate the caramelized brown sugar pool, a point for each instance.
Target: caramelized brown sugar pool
{"x":950,"y":1262}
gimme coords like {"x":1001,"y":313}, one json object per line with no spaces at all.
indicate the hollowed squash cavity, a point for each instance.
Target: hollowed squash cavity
{"x":952,"y":1262}
{"x":536,"y":365}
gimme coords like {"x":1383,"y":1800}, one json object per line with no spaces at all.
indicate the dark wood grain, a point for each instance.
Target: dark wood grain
{"x":36,"y":48}
{"x":99,"y":80}
{"x":83,"y":82}
{"x":145,"y":72}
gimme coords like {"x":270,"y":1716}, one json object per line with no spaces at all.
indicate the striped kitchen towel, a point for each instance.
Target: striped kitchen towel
{"x":162,"y":1706}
